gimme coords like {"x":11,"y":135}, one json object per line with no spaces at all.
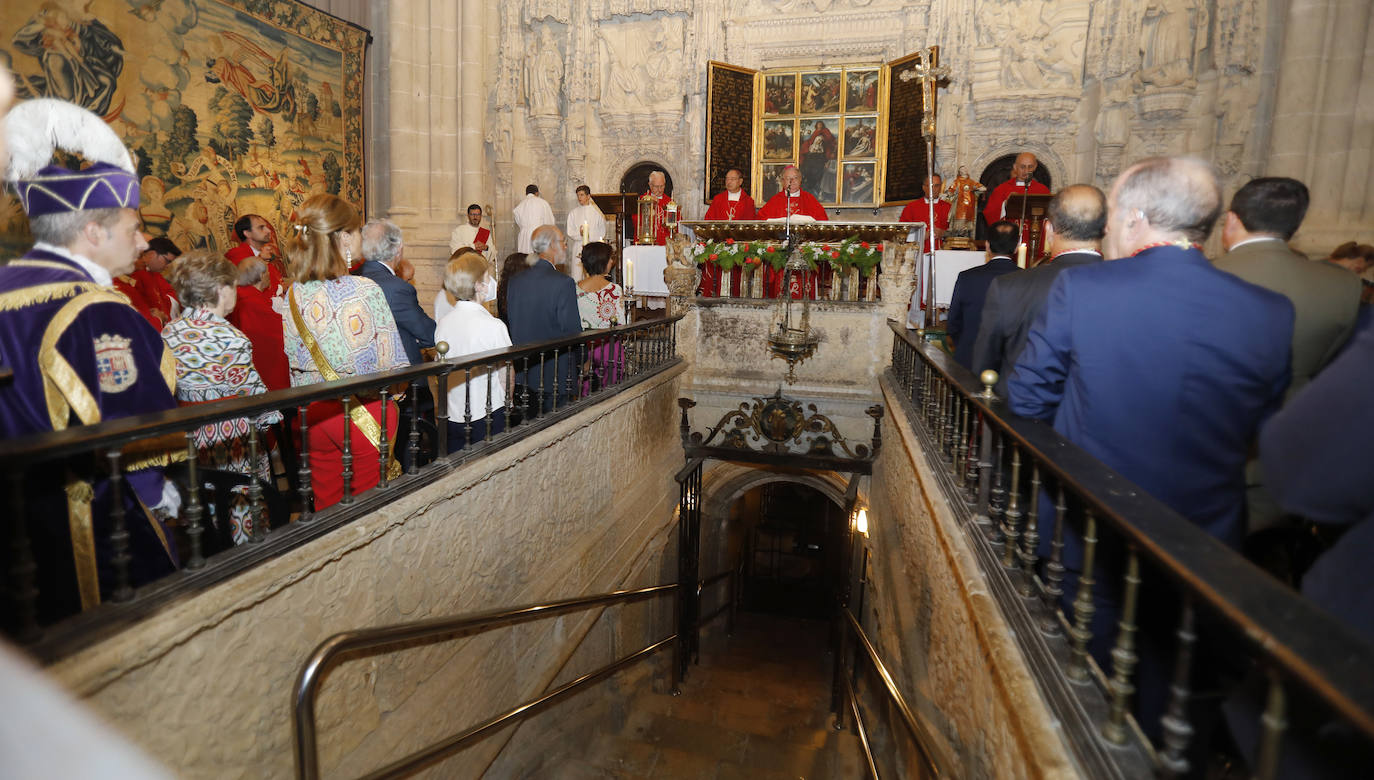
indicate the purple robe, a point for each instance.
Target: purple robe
{"x":80,"y":355}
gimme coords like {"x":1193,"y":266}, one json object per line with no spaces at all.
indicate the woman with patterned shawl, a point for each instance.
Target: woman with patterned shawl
{"x":338,"y":326}
{"x":215,"y":360}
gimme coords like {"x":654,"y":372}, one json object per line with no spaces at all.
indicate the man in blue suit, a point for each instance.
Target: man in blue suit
{"x":971,"y":290}
{"x":1162,"y":367}
{"x":381,"y":250}
{"x":542,"y":305}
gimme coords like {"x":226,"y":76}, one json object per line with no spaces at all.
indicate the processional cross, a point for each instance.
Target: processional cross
{"x":930,"y":73}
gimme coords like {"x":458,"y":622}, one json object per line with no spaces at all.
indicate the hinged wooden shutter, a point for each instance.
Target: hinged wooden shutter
{"x":906,"y":148}
{"x":730,"y":93}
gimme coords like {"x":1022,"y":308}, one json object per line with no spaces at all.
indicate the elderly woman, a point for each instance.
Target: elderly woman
{"x":338,"y":326}
{"x":444,"y":300}
{"x":469,"y":328}
{"x":214,"y":360}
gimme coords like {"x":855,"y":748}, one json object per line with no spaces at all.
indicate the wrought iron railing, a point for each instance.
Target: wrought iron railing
{"x":545,"y":382}
{"x":994,"y":467}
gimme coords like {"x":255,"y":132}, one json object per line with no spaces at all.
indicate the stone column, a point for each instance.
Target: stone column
{"x":1318,"y":136}
{"x":474,"y":181}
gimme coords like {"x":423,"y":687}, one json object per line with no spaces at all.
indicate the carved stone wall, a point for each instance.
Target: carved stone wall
{"x":565,"y":92}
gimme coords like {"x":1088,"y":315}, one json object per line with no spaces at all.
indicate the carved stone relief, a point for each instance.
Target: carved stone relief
{"x":544,"y":75}
{"x":641,"y":65}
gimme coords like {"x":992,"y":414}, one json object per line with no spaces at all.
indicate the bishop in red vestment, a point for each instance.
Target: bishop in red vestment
{"x":732,"y":204}
{"x":1020,"y":174}
{"x":919,"y":211}
{"x":792,"y":201}
{"x":657,"y":184}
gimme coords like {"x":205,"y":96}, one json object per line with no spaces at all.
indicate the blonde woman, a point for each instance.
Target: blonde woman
{"x":337,"y":326}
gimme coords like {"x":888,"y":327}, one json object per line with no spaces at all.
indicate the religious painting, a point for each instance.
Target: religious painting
{"x":817,"y":151}
{"x":777,"y":139}
{"x":780,"y":94}
{"x":857,"y":182}
{"x":861,"y":90}
{"x":820,"y":93}
{"x":860,"y":136}
{"x":772,"y":179}
{"x":230,"y":106}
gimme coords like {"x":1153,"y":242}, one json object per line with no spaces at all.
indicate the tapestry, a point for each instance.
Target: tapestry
{"x":230,"y":106}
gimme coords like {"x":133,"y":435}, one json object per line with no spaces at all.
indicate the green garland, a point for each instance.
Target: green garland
{"x":847,"y":253}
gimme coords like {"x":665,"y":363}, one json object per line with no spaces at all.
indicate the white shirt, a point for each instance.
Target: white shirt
{"x":469,"y":329}
{"x":533,"y":212}
{"x":596,"y":231}
{"x":1240,"y":244}
{"x":464,"y":235}
{"x":99,"y":273}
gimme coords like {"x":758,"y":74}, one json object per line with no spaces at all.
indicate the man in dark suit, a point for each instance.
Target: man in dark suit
{"x":1162,"y":367}
{"x":382,"y":247}
{"x":971,"y":290}
{"x":1074,"y":224}
{"x":542,"y":305}
{"x":1264,"y":214}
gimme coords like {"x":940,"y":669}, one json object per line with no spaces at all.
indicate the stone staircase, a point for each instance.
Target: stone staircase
{"x":756,"y":707}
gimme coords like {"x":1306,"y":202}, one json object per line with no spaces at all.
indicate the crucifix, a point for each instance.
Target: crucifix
{"x":930,"y":72}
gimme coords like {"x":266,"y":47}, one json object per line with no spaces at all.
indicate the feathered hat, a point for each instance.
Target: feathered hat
{"x":35,"y":128}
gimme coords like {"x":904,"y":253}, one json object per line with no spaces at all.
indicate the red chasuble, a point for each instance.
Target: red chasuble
{"x":723,"y":208}
{"x":993,"y":211}
{"x":919,"y":211}
{"x":803,"y":202}
{"x":661,"y":236}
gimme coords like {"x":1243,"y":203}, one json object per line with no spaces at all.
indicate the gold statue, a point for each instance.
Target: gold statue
{"x":963,"y":193}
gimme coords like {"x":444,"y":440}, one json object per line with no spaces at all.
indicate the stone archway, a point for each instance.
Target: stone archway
{"x":636,"y":177}
{"x":725,"y":483}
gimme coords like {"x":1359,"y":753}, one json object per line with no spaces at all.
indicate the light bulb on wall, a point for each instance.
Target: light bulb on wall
{"x":861,"y":522}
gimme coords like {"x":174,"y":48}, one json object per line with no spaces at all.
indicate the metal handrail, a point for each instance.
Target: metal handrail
{"x":1306,"y":643}
{"x":84,"y":438}
{"x":308,"y":681}
{"x":937,"y":760}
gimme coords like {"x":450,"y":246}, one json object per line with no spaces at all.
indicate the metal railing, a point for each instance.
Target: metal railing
{"x":934,"y":760}
{"x":545,"y":382}
{"x":404,"y":635}
{"x":1219,"y":603}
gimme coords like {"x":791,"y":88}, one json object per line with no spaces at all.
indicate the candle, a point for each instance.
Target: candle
{"x":586,"y":233}
{"x":630,"y":274}
{"x":1021,"y":255}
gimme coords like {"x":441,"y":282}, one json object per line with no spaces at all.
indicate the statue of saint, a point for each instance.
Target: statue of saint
{"x":544,"y":77}
{"x":963,"y":192}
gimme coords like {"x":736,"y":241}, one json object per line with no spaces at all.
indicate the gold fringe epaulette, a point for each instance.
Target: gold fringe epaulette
{"x":162,"y":450}
{"x":43,"y":293}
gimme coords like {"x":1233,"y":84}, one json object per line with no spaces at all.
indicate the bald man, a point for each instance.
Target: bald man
{"x":658,"y":189}
{"x":1020,"y":183}
{"x":1074,"y":225}
{"x":793,"y":200}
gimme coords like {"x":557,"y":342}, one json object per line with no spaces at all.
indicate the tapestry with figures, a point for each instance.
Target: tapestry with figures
{"x":231,"y":106}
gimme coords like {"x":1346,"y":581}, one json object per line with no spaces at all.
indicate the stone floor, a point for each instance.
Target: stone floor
{"x":756,"y":707}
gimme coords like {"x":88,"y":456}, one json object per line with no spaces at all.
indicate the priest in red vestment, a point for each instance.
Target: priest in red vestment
{"x":1020,"y":174}
{"x":919,"y":211}
{"x":732,"y":204}
{"x":253,"y":314}
{"x":657,"y":184}
{"x":148,"y":273}
{"x":792,"y":201}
